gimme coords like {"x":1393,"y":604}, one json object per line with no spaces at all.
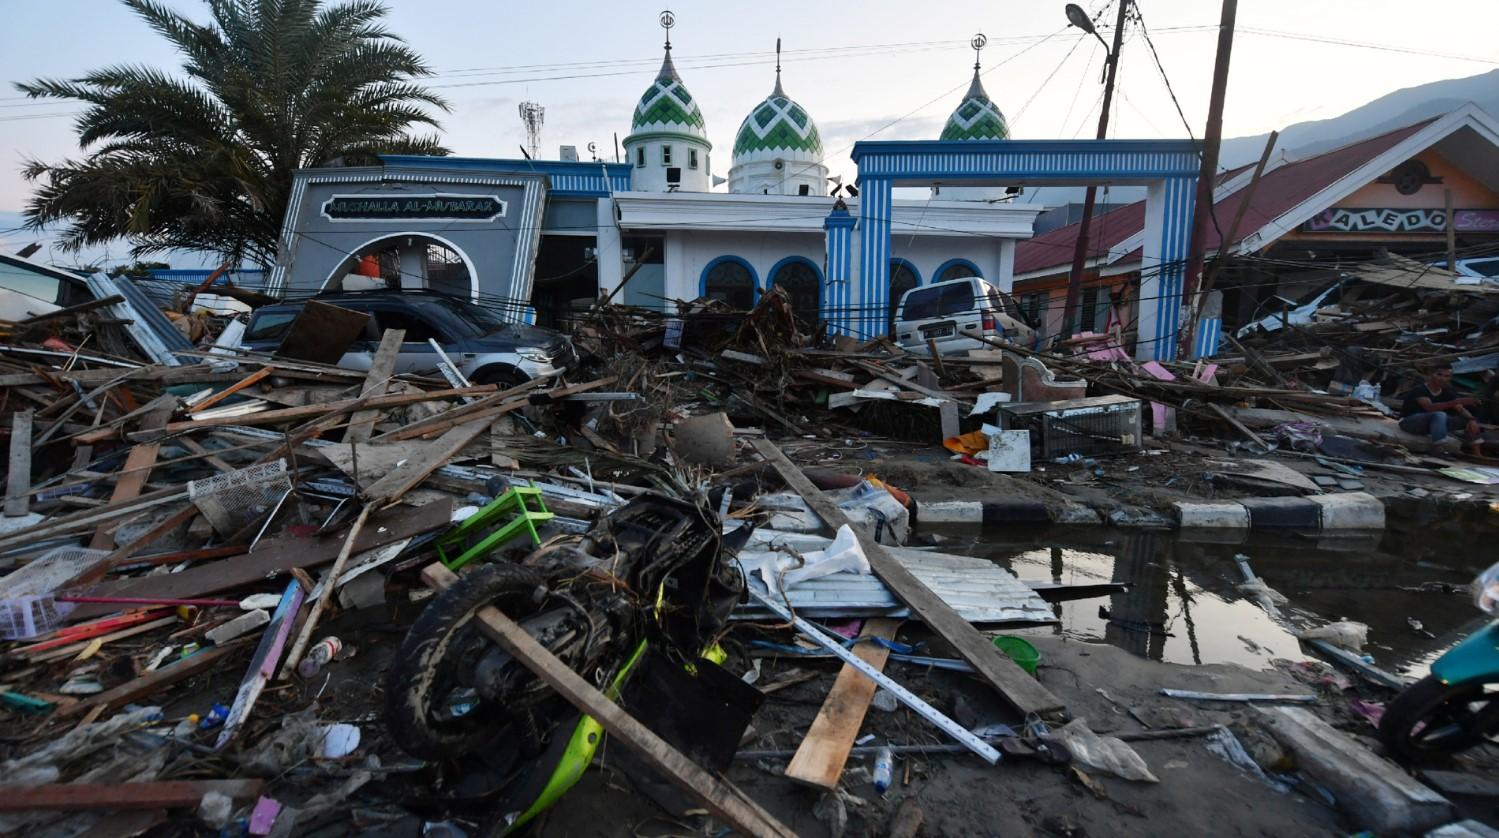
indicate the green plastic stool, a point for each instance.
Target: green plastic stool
{"x":519,"y":510}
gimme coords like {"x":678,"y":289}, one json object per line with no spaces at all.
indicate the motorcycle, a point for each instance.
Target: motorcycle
{"x":1457,"y":705}
{"x":646,"y":588}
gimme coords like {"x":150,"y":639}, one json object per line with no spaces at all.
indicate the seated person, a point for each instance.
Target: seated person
{"x":1433,"y":408}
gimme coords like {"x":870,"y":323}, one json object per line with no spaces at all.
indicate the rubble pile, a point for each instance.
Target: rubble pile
{"x":263,"y":593}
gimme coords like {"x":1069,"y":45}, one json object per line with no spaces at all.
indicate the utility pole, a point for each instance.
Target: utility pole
{"x":1208,"y":174}
{"x":1080,"y":249}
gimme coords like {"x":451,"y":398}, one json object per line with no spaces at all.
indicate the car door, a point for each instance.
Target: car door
{"x":416,"y":355}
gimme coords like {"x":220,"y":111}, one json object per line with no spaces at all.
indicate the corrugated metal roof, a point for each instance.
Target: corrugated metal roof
{"x":1278,"y":191}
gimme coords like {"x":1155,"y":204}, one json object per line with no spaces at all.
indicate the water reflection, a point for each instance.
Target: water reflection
{"x":1183,"y":604}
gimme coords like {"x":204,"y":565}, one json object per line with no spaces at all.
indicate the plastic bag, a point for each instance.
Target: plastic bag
{"x":1345,"y":633}
{"x":1104,"y":753}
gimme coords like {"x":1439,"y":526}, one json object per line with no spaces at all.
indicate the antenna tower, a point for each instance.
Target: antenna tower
{"x":533,"y":115}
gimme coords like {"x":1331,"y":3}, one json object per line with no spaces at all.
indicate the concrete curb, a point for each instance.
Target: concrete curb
{"x":1337,"y":511}
{"x":997,"y":513}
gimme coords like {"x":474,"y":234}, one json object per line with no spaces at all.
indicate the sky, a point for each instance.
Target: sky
{"x":874,"y":69}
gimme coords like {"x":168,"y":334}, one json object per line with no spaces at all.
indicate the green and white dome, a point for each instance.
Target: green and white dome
{"x":667,"y":107}
{"x":778,"y":150}
{"x":778,"y":127}
{"x":977,"y":118}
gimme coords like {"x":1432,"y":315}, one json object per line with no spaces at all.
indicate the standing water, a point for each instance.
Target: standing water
{"x":1184,"y":605}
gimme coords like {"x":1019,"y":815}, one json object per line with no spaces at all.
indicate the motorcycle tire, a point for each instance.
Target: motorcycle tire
{"x":1431,"y":719}
{"x":414,"y":673}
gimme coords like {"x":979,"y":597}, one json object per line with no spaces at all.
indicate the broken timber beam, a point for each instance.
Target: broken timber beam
{"x":18,"y":480}
{"x":381,"y":369}
{"x":725,"y":800}
{"x":169,"y":794}
{"x":1017,"y":687}
{"x":820,"y":758}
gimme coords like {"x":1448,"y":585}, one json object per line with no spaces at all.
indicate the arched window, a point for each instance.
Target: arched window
{"x":730,"y":279}
{"x":803,"y":284}
{"x":956,"y":269}
{"x":902,"y":279}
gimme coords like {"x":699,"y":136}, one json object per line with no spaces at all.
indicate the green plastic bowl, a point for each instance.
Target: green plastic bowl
{"x":1020,"y":651}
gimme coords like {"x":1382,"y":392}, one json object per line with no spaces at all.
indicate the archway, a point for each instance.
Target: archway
{"x":1166,"y":168}
{"x":956,"y":269}
{"x":903,"y":278}
{"x":732,"y":280}
{"x":803,"y":283}
{"x":407,"y":261}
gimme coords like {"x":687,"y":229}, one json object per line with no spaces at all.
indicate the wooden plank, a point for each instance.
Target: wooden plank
{"x":263,"y":664}
{"x":72,"y":310}
{"x":152,"y":684}
{"x":820,"y":758}
{"x":75,"y":648}
{"x":381,"y":369}
{"x":248,"y":381}
{"x":78,"y":797}
{"x":272,"y":555}
{"x":491,"y":407}
{"x":322,"y":333}
{"x":1014,"y":684}
{"x":403,"y":478}
{"x":136,"y":470}
{"x":1237,"y":425}
{"x":725,"y":800}
{"x":330,"y":580}
{"x":312,"y":411}
{"x":18,"y":483}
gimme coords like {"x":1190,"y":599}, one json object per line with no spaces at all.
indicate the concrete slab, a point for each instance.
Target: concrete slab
{"x":1350,"y":511}
{"x":1374,"y":793}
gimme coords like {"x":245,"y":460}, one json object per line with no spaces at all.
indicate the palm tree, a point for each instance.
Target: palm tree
{"x":204,"y":160}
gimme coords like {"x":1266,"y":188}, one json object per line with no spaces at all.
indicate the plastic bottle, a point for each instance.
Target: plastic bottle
{"x":185,"y":728}
{"x":1074,"y":457}
{"x":319,"y":655}
{"x":884,"y":768}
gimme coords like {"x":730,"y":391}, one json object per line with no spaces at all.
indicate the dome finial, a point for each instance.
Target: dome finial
{"x":668,"y":70}
{"x":778,"y":91}
{"x":976,"y":89}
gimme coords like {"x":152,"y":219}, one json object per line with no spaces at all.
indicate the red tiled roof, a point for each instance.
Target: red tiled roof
{"x":1278,"y":191}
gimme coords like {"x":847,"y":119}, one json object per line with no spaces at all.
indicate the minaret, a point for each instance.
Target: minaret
{"x":976,"y":118}
{"x":668,"y":143}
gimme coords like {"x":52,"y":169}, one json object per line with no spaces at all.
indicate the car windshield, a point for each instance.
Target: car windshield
{"x":481,"y":320}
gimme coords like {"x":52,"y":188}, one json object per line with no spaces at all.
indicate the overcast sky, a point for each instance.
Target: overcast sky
{"x":875,"y":69}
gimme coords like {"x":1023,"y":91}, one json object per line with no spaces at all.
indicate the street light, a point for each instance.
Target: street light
{"x":1079,"y":18}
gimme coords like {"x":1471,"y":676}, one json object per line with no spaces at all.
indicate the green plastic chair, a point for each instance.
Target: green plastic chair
{"x":517,"y":511}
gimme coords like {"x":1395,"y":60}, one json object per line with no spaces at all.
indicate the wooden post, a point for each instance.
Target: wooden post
{"x":1207,"y":176}
{"x":18,"y":484}
{"x":381,"y":368}
{"x":719,"y":796}
{"x":1225,"y":247}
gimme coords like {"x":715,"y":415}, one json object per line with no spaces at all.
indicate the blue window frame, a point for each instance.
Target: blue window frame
{"x":732,"y":280}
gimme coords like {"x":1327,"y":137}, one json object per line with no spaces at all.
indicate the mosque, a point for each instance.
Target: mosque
{"x":538,"y":239}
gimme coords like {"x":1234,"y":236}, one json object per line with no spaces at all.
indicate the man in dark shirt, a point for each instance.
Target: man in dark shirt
{"x":1434,"y":408}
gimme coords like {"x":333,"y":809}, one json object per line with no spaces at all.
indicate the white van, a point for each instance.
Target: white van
{"x":956,"y":313}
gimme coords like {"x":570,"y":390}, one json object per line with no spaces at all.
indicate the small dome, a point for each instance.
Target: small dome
{"x":778,"y":127}
{"x":978,"y":118}
{"x":667,"y":107}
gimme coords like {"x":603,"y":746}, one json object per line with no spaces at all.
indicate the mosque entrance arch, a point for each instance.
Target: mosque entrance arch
{"x":1166,"y":168}
{"x":407,"y":262}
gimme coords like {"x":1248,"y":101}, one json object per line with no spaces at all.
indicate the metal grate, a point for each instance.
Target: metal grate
{"x":1090,"y":427}
{"x":230,"y":501}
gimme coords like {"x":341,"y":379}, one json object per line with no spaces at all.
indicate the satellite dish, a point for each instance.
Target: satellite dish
{"x":1079,"y":18}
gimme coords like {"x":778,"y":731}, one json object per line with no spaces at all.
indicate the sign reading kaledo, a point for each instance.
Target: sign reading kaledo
{"x":1401,"y":220}
{"x":413,"y":207}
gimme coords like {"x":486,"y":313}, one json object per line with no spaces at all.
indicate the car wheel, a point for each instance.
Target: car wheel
{"x":504,"y":377}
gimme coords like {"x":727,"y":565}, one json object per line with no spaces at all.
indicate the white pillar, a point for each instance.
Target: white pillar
{"x":1004,"y":278}
{"x":413,"y":265}
{"x":607,"y":247}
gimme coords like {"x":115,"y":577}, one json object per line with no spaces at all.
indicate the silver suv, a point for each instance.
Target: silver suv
{"x":486,"y":349}
{"x":956,"y":313}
